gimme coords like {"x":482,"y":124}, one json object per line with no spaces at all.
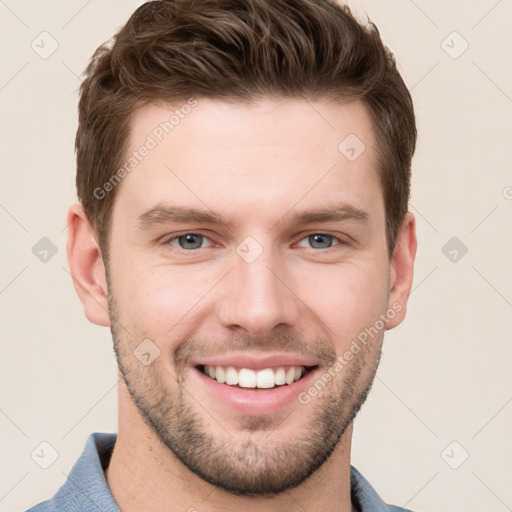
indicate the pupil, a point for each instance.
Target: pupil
{"x":189,"y":239}
{"x":320,"y":238}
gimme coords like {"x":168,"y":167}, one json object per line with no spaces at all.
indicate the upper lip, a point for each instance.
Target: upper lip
{"x":257,"y":362}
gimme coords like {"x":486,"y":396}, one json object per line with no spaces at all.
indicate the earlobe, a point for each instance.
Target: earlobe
{"x":87,"y":268}
{"x":402,"y":270}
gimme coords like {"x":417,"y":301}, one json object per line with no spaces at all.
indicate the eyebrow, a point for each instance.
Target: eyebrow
{"x":166,"y":213}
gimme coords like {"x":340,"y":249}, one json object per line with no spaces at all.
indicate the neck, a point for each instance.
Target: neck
{"x":144,"y":475}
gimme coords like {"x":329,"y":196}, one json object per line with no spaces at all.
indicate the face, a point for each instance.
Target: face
{"x":247,"y":247}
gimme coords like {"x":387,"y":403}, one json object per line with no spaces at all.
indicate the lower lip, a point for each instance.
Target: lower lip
{"x":254,"y":401}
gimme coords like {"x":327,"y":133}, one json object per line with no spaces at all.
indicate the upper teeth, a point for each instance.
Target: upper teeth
{"x":247,"y":378}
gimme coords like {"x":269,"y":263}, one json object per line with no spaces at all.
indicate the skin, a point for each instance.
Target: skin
{"x":254,"y":165}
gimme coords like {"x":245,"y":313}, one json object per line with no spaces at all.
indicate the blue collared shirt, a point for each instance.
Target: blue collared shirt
{"x":86,"y":489}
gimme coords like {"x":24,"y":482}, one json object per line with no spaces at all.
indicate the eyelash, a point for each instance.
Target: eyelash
{"x":167,"y":241}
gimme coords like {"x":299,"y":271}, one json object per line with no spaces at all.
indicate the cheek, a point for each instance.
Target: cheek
{"x":164,"y":302}
{"x":345,"y":298}
{"x":156,"y":300}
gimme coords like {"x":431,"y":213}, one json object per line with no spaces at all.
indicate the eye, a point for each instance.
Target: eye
{"x":322,"y":240}
{"x":191,"y":241}
{"x":188,"y":241}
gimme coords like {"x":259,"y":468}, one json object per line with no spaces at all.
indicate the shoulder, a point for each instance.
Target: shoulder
{"x":85,"y":489}
{"x":47,"y":506}
{"x":365,"y":497}
{"x":42,"y":507}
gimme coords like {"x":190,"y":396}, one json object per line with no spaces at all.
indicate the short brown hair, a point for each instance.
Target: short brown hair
{"x":170,"y":51}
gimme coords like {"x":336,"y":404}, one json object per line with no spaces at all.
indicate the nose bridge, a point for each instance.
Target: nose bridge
{"x":257,"y":297}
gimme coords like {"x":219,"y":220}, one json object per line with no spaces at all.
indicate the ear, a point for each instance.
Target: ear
{"x":87,"y":268}
{"x":401,"y":272}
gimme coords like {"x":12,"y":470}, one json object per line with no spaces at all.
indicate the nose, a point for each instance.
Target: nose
{"x":259,"y":297}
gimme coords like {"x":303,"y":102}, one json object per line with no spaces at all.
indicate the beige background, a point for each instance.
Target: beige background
{"x":446,"y":372}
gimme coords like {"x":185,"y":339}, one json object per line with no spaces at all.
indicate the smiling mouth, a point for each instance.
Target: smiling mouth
{"x":246,"y":378}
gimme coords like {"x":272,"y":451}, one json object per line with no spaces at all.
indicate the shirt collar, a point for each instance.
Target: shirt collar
{"x":86,"y":488}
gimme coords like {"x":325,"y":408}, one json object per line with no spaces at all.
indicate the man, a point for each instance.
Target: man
{"x":243,"y":170}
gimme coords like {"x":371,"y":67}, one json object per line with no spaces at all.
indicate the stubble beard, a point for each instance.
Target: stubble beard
{"x":252,"y":461}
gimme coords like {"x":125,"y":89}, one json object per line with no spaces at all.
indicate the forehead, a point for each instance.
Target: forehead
{"x":237,"y":158}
